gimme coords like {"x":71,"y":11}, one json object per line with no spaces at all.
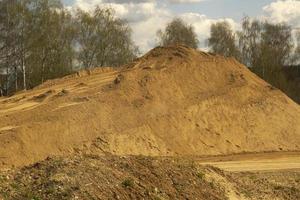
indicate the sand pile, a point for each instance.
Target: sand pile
{"x":172,"y":101}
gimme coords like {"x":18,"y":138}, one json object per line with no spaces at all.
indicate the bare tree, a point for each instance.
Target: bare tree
{"x":52,"y":36}
{"x":222,"y":39}
{"x":39,"y":40}
{"x":276,"y":43}
{"x":276,"y":52}
{"x":178,"y":32}
{"x":103,"y":39}
{"x":268,"y":49}
{"x":297,"y":49}
{"x":8,"y":40}
{"x":36,"y":42}
{"x":265,"y":47}
{"x":249,"y":41}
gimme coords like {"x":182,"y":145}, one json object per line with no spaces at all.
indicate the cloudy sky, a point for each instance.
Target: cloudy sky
{"x":147,"y":16}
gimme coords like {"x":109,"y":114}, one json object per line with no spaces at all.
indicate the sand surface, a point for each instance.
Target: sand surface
{"x":255,"y":162}
{"x":173,"y":101}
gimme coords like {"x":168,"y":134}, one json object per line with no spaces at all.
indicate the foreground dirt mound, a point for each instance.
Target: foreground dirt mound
{"x":111,"y":177}
{"x":92,"y":177}
{"x":172,"y":101}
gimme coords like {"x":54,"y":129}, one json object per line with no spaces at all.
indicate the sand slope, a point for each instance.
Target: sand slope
{"x":172,"y":101}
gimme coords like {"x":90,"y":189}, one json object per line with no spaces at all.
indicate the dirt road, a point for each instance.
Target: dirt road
{"x":255,"y":162}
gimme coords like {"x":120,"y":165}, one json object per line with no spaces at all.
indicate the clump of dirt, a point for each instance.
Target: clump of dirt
{"x":81,"y":85}
{"x":62,"y":93}
{"x":43,"y":96}
{"x":119,"y":78}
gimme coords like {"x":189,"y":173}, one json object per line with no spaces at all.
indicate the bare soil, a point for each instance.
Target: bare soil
{"x":139,"y":177}
{"x":271,"y":161}
{"x":109,"y":177}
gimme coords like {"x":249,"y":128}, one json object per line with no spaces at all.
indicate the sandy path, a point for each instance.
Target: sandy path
{"x":255,"y":162}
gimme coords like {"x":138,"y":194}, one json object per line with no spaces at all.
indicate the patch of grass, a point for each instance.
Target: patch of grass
{"x":128,"y":183}
{"x":15,"y":186}
{"x":201,"y":175}
{"x":4,"y":195}
{"x":278,"y":187}
{"x":34,"y":198}
{"x":157,"y":198}
{"x":212,"y":185}
{"x":2,"y":179}
{"x":252,"y":177}
{"x":246,"y":193}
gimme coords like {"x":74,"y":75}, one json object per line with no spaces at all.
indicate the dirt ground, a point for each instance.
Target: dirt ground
{"x":109,"y":177}
{"x":255,"y":161}
{"x":140,"y":177}
{"x":267,"y":184}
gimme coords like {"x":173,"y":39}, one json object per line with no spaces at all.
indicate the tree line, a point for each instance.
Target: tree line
{"x":41,"y":40}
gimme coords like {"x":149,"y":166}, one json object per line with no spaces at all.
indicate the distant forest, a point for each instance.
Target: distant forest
{"x":42,"y":40}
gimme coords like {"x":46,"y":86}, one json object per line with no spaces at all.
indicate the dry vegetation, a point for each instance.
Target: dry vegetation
{"x":112,"y":177}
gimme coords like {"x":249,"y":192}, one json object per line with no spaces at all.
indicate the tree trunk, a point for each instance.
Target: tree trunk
{"x":43,"y":72}
{"x":24,"y":73}
{"x":7,"y":79}
{"x":16,"y":78}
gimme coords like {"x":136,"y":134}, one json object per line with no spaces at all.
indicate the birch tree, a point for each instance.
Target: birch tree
{"x":223,"y":40}
{"x":178,"y":32}
{"x":103,"y":39}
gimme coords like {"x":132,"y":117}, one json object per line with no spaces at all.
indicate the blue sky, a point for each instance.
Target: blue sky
{"x":235,"y":9}
{"x":148,"y":16}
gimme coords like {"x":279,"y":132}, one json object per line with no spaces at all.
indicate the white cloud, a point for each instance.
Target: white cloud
{"x":185,"y":1}
{"x":146,"y":17}
{"x":283,"y":11}
{"x":202,"y":25}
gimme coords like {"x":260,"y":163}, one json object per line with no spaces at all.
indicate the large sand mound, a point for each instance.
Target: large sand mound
{"x":172,"y":101}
